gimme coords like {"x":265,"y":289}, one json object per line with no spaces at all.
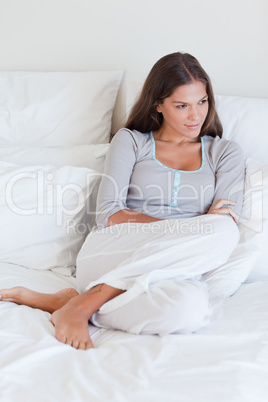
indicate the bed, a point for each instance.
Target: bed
{"x":54,"y":135}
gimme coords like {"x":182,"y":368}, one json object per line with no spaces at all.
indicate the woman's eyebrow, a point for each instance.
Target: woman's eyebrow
{"x":185,"y":103}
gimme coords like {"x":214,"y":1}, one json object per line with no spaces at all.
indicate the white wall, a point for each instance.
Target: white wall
{"x":229,"y":37}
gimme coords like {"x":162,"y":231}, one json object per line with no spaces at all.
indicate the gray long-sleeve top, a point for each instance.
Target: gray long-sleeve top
{"x":134,"y":179}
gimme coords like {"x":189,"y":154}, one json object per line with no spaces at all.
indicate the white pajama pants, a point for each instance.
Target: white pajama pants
{"x":159,"y":265}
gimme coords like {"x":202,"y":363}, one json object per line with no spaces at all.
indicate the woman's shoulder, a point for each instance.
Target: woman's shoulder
{"x":126,"y":135}
{"x":220,"y":146}
{"x":219,"y":149}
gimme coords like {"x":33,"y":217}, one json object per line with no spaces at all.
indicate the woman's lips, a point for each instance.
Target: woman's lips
{"x":192,"y":126}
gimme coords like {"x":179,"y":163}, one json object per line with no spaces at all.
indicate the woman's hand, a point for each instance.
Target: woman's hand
{"x":223,"y":207}
{"x":127,"y":215}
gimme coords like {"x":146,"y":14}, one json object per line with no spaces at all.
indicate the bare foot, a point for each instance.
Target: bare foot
{"x":71,"y":327}
{"x":43,"y":301}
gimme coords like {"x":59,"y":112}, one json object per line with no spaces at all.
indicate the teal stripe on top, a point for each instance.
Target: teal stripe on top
{"x":175,"y":190}
{"x":177,"y":177}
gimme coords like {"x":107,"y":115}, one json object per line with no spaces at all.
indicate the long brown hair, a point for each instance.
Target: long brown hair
{"x":167,"y":74}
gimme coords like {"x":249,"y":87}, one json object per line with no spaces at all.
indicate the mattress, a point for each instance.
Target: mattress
{"x":226,"y":361}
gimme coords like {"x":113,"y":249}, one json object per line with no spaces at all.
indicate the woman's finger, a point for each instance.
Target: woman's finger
{"x":221,"y":203}
{"x":225,"y":211}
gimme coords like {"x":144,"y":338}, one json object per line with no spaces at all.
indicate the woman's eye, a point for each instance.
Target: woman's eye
{"x":181,"y":106}
{"x":203,"y":101}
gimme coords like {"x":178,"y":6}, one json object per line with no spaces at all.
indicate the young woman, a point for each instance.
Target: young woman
{"x":167,"y":210}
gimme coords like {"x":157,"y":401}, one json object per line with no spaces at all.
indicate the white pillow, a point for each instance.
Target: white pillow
{"x":42,"y":212}
{"x":90,"y":156}
{"x":259,"y":182}
{"x":57,"y":108}
{"x":260,"y":269}
{"x":225,"y":280}
{"x":244,"y":120}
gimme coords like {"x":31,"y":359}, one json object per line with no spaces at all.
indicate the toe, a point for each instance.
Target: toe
{"x":89,"y":344}
{"x":13,"y":294}
{"x":68,"y":342}
{"x":82,"y":346}
{"x":75,"y":344}
{"x":61,"y":337}
{"x":5,"y":295}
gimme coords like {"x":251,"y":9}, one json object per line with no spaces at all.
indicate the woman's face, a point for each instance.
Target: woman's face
{"x":185,"y":111}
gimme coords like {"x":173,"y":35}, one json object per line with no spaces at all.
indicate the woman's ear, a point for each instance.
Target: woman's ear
{"x":158,"y":108}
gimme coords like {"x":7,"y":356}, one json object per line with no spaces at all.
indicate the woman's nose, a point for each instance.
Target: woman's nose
{"x":193,"y":113}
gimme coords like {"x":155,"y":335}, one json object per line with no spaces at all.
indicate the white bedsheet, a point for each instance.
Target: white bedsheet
{"x":224,"y":362}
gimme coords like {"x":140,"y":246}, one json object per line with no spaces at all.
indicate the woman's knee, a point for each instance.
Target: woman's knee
{"x":181,"y":307}
{"x":168,"y":307}
{"x":189,"y":311}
